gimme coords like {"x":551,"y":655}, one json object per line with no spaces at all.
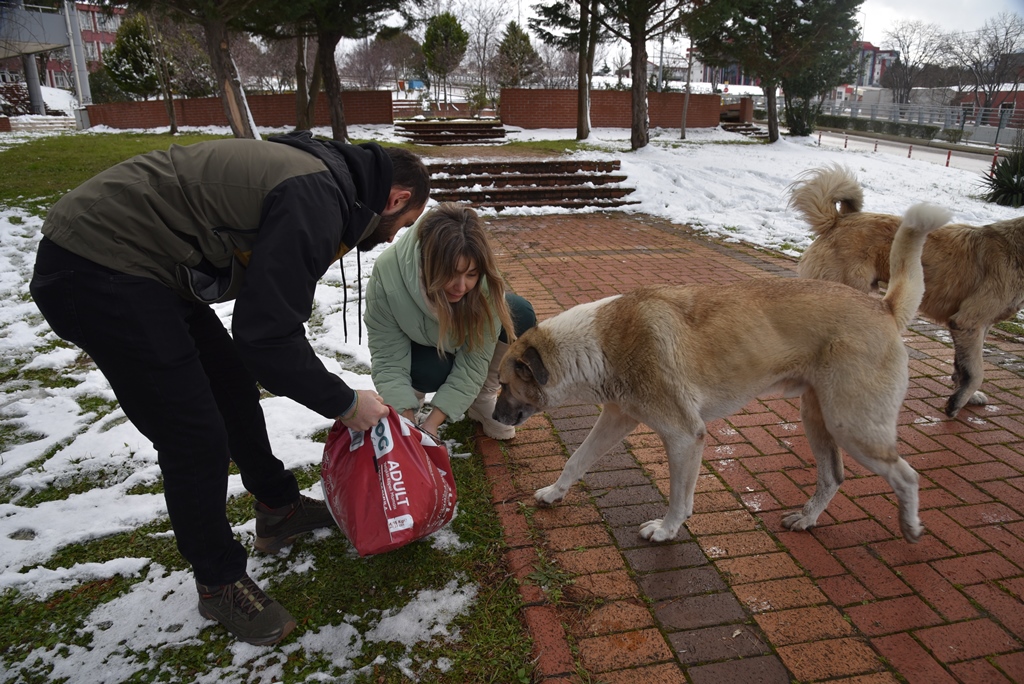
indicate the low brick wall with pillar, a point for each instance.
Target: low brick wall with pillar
{"x":536,"y":108}
{"x":278,"y":111}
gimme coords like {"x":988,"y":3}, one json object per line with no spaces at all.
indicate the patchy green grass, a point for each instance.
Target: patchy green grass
{"x":492,"y":647}
{"x":1012,"y":327}
{"x":35,"y":174}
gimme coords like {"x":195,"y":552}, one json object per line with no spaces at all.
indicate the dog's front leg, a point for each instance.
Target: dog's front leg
{"x":685,"y":452}
{"x":611,"y":427}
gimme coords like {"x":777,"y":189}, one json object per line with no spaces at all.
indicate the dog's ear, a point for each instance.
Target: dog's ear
{"x":531,"y":367}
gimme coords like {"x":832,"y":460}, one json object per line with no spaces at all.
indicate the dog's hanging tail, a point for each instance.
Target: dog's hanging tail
{"x":906,"y":280}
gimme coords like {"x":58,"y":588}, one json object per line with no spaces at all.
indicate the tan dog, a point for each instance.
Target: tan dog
{"x":974,"y":276}
{"x":677,"y":357}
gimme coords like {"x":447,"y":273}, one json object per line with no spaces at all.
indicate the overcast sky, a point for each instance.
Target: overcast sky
{"x":878,"y":16}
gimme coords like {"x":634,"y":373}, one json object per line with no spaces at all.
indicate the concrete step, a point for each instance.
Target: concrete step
{"x":576,"y":203}
{"x":500,"y":184}
{"x":746,"y":129}
{"x":450,"y":126}
{"x":453,"y":137}
{"x":443,"y":132}
{"x":510,"y":194}
{"x":546,"y":166}
{"x":38,"y":124}
{"x":523,"y":180}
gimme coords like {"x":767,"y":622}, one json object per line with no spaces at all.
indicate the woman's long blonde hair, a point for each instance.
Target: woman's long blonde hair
{"x":448,"y":232}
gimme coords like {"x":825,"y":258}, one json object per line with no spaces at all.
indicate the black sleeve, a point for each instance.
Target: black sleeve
{"x":299,"y":235}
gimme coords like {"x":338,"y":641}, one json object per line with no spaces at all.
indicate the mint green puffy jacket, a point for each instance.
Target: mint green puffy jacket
{"x":396,"y":314}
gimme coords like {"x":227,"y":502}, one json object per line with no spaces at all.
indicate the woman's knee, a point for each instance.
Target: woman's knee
{"x":523,"y":316}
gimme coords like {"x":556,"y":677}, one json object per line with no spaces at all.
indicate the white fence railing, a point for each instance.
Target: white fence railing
{"x":979,"y":124}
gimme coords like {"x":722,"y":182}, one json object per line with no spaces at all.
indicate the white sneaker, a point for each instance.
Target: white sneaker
{"x":482,"y":410}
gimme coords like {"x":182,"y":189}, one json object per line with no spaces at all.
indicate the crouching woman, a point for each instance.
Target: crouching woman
{"x":440,"y":319}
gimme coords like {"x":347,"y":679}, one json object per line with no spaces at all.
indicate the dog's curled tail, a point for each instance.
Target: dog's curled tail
{"x":906,"y":281}
{"x":822,"y":195}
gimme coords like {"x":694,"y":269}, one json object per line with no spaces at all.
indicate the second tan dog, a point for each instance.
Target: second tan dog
{"x":677,"y":357}
{"x":974,"y":276}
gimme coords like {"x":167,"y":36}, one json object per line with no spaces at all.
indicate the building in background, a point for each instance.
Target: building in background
{"x":98,"y":29}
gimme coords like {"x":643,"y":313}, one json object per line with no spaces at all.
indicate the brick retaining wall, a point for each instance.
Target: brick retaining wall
{"x":529,"y":108}
{"x":361,"y":107}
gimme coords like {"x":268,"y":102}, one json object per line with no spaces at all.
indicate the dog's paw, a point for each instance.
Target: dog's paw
{"x":797,"y":521}
{"x":657,"y":531}
{"x":978,"y":399}
{"x":549,"y":495}
{"x":911,"y":530}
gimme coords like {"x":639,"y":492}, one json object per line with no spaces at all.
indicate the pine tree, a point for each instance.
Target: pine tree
{"x":444,"y":46}
{"x":518,"y":62}
{"x":132,"y":62}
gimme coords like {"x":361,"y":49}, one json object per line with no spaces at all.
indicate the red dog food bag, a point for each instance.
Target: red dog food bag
{"x":388,"y":486}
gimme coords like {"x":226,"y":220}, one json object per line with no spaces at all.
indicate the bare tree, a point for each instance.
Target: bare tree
{"x":483,"y":20}
{"x":918,"y":45}
{"x":265,"y":65}
{"x":990,"y":56}
{"x":367,"y":65}
{"x":561,"y":67}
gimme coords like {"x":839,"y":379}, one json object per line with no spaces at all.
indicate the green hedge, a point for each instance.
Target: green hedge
{"x":907,"y":130}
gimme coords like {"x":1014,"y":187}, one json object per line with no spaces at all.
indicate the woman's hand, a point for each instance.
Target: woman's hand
{"x":433,"y":421}
{"x":368,"y":409}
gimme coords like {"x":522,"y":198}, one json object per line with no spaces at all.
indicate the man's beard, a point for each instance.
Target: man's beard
{"x":384,"y":232}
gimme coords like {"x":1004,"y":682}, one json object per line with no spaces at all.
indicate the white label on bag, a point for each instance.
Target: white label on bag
{"x":355,"y":439}
{"x":402,"y":522}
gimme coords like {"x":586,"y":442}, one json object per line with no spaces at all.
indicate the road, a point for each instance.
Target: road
{"x":980,"y":161}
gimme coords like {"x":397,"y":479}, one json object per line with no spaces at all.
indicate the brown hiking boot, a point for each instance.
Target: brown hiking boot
{"x":277,"y":527}
{"x":246,"y":611}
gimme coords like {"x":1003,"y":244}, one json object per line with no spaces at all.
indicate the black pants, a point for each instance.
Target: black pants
{"x":429,"y":370}
{"x":176,"y":374}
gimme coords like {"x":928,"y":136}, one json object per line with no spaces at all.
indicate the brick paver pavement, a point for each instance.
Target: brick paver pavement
{"x":737,"y":598}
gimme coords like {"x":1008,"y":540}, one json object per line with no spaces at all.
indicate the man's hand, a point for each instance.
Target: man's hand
{"x":369,"y":408}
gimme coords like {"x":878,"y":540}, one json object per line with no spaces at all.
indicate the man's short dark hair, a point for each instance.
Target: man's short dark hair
{"x":409,"y":173}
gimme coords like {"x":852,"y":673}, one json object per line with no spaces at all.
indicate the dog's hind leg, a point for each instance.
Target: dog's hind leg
{"x":828,"y":461}
{"x":611,"y":427}
{"x":968,"y":370}
{"x":882,"y":458}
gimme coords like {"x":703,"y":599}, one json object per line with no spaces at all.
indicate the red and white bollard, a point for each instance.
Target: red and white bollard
{"x":995,"y":158}
{"x":846,"y":137}
{"x":909,"y":151}
{"x":948,"y":155}
{"x":876,"y":146}
{"x":819,"y":138}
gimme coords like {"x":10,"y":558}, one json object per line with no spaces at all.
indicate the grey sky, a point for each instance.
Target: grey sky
{"x":878,"y":16}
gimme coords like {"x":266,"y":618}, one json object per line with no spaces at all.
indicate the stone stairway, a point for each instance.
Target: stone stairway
{"x":500,"y":184}
{"x":37,"y":123}
{"x":451,"y":132}
{"x":748,"y":129}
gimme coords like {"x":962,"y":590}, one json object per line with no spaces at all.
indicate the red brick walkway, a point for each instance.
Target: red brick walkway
{"x":737,"y":598}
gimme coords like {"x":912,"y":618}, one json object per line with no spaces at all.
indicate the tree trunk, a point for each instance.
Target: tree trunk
{"x":686,"y":97}
{"x":327,"y":42}
{"x":163,"y":74}
{"x":771,"y":102}
{"x":316,"y":83}
{"x":639,"y":131}
{"x":582,"y":82}
{"x":230,"y":88}
{"x":303,"y":121}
